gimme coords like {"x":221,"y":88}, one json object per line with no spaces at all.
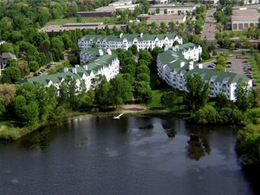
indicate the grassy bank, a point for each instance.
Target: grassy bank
{"x":11,"y":132}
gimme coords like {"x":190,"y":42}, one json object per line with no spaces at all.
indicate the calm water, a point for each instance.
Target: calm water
{"x":98,"y":155}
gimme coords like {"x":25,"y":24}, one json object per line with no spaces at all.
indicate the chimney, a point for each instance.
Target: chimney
{"x":100,"y":52}
{"x":76,"y":66}
{"x":182,"y":64}
{"x":200,"y":66}
{"x":191,"y":66}
{"x":74,"y":70}
{"x":85,"y":67}
{"x":141,"y":35}
{"x":121,"y":35}
{"x":65,"y":70}
{"x":109,"y":52}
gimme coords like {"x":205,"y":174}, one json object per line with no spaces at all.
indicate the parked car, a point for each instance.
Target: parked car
{"x":249,"y":76}
{"x":238,"y":57}
{"x":245,"y":61}
{"x":228,"y":63}
{"x":211,"y":65}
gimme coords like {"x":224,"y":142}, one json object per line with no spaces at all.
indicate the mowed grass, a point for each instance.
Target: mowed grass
{"x":156,"y":101}
{"x":105,"y":20}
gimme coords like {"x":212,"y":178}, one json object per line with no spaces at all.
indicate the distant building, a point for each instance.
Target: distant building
{"x":124,"y":41}
{"x":243,"y":18}
{"x":175,"y":64}
{"x":163,"y":18}
{"x":4,"y":57}
{"x":171,"y":9}
{"x":54,"y":29}
{"x":97,"y":13}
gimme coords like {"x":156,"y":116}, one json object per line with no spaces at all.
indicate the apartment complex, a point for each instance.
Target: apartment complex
{"x":175,"y":64}
{"x":124,"y":41}
{"x":104,"y":63}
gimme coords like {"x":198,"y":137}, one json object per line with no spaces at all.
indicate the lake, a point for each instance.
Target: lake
{"x":133,"y":155}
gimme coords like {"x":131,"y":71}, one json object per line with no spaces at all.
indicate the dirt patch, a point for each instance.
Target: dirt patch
{"x":132,"y":108}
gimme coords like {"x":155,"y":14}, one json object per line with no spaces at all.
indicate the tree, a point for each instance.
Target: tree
{"x":168,"y":99}
{"x":143,"y":92}
{"x":222,"y":101}
{"x":102,"y":96}
{"x":11,"y":75}
{"x":2,"y":107}
{"x":120,"y":91}
{"x":34,"y":66}
{"x":143,"y":69}
{"x":79,"y":19}
{"x":143,"y":77}
{"x":133,"y":49}
{"x":248,"y":146}
{"x":244,"y":97}
{"x":22,"y":65}
{"x":198,"y":93}
{"x":7,"y":93}
{"x":205,"y":54}
{"x":145,"y":55}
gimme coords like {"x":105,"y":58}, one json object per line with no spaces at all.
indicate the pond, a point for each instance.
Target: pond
{"x":133,"y":155}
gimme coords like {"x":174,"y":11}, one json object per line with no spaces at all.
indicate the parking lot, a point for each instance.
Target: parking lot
{"x":237,"y":65}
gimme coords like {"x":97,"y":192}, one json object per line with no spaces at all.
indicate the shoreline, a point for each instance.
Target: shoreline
{"x":8,"y":133}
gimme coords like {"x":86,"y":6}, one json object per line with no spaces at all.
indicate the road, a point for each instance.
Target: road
{"x":208,"y":31}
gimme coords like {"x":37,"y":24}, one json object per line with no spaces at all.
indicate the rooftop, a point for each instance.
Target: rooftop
{"x":245,"y":15}
{"x":174,"y":59}
{"x":93,"y":66}
{"x":129,"y":37}
{"x":74,"y":26}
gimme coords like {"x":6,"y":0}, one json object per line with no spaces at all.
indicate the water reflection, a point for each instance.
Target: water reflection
{"x":149,"y":126}
{"x":37,"y":140}
{"x":197,"y":147}
{"x":169,"y":130}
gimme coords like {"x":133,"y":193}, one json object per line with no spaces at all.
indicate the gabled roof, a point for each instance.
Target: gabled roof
{"x":94,"y":66}
{"x":173,"y":60}
{"x":129,"y":37}
{"x":55,"y":78}
{"x":8,"y":55}
{"x":228,"y":77}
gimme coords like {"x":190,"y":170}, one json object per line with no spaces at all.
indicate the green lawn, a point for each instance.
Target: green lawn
{"x":105,"y":20}
{"x":155,"y":104}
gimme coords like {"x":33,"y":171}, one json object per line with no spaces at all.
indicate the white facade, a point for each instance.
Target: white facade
{"x":126,"y":41}
{"x":106,"y":65}
{"x":173,"y":67}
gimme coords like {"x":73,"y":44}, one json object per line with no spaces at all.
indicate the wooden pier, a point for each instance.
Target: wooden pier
{"x":118,"y":117}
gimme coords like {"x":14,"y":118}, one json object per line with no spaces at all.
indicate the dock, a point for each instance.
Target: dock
{"x":118,"y":117}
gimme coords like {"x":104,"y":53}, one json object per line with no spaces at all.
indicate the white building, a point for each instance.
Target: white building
{"x":107,"y":64}
{"x":91,"y":54}
{"x":124,"y":41}
{"x":173,"y":66}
